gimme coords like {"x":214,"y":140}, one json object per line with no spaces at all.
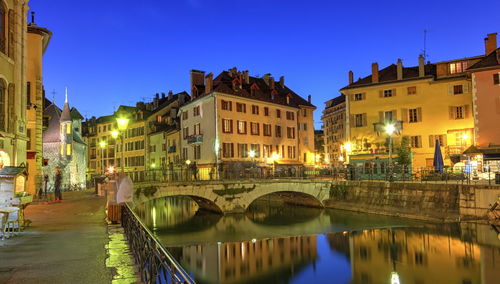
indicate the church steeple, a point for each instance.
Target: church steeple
{"x":66,"y":129}
{"x":65,"y":116}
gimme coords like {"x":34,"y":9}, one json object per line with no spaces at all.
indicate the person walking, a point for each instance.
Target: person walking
{"x":57,"y":185}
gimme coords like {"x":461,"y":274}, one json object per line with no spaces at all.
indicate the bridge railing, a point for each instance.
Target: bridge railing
{"x":365,"y":172}
{"x":156,"y":264}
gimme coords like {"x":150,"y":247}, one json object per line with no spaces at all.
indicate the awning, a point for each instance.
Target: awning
{"x":10,"y":172}
{"x":288,"y":162}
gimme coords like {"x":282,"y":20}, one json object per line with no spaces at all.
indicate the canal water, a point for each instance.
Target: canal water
{"x":278,"y":243}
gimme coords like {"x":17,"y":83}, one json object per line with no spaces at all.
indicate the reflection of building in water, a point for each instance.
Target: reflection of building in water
{"x":415,"y":257}
{"x":167,"y":212}
{"x":237,"y":261}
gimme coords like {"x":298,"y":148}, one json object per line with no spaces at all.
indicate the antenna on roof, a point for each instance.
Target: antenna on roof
{"x":66,"y":95}
{"x":53,"y":96}
{"x":424,"y":51}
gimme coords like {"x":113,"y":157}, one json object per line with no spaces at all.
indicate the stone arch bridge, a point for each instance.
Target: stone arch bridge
{"x":236,"y":196}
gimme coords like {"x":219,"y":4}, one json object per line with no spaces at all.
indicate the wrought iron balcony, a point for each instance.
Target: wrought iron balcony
{"x":455,"y":149}
{"x":171,"y":149}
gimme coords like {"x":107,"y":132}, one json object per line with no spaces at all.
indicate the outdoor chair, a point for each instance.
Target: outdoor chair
{"x":11,"y":223}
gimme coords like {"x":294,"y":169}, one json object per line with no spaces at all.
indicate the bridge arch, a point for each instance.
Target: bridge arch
{"x":290,"y":197}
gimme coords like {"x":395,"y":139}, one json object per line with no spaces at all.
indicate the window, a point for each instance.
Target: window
{"x":359,"y":120}
{"x":185,"y":132}
{"x":266,"y":111}
{"x":413,"y":115}
{"x":227,"y":150}
{"x":242,"y":127}
{"x":2,"y":98}
{"x":305,"y":126}
{"x":227,"y":105}
{"x":267,"y":129}
{"x":197,"y":152}
{"x":254,"y":128}
{"x":68,"y":149}
{"x":197,"y":129}
{"x":458,"y":112}
{"x":304,"y":112}
{"x":196,"y":111}
{"x":184,"y":115}
{"x":30,"y":139}
{"x":291,"y":152}
{"x":28,"y":94}
{"x":458,"y":67}
{"x":416,"y":141}
{"x":358,"y":97}
{"x":278,"y":113}
{"x":3,"y":27}
{"x":440,"y":137}
{"x":388,"y":93}
{"x":458,"y":89}
{"x":256,"y":149}
{"x":241,"y":107}
{"x":255,"y":109}
{"x":227,"y":126}
{"x":267,"y":149}
{"x":242,"y":150}
{"x":277,"y":131}
{"x":290,"y":115}
{"x":411,"y":90}
{"x":496,"y":79}
{"x":184,"y":153}
{"x":290,"y":132}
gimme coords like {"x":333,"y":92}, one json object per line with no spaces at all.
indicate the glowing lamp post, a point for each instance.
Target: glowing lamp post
{"x":251,"y":154}
{"x":122,"y":126}
{"x":390,"y":129}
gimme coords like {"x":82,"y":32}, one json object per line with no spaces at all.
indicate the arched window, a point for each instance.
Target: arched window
{"x":3,"y":27}
{"x":2,"y":105}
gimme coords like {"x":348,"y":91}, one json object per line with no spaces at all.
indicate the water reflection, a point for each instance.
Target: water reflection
{"x":304,"y":245}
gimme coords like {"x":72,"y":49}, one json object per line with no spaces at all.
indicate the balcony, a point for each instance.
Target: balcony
{"x":195,"y":139}
{"x":455,"y":149}
{"x":171,"y":149}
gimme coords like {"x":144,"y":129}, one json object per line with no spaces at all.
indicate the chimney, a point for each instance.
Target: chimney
{"x":421,"y":66}
{"x":232,"y":72}
{"x":490,"y":43}
{"x":351,"y":77}
{"x":209,"y":84}
{"x":271,"y":83}
{"x":157,"y":96}
{"x":282,"y":81}
{"x":266,"y":78}
{"x":197,"y":78}
{"x":33,"y":18}
{"x":162,"y":95}
{"x":309,"y":98}
{"x":375,"y":72}
{"x":170,"y":95}
{"x":246,"y":78}
{"x":399,"y":69}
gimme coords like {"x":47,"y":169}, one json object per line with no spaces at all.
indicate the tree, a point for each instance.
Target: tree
{"x":404,"y":152}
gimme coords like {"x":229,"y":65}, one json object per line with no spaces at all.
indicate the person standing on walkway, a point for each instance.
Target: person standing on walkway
{"x":57,"y":185}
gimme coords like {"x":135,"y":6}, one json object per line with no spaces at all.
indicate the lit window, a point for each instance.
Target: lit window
{"x":68,"y":149}
{"x":412,"y":90}
{"x":242,"y":127}
{"x":68,"y":128}
{"x":458,"y":67}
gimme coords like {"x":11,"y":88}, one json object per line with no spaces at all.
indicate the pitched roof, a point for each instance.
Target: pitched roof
{"x":336,"y":101}
{"x":75,"y":114}
{"x":65,"y":115}
{"x":489,"y":61}
{"x":163,"y":102}
{"x":52,"y":133}
{"x":105,"y":119}
{"x":390,"y":74}
{"x":257,"y":89}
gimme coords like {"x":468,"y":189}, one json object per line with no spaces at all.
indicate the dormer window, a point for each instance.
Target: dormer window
{"x":458,"y":67}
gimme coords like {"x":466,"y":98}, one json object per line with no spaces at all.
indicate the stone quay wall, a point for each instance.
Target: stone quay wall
{"x":425,"y":201}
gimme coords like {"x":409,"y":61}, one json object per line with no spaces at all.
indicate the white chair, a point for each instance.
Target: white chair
{"x":11,"y":222}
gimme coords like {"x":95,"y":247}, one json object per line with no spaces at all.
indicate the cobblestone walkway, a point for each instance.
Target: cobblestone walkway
{"x":120,"y":258}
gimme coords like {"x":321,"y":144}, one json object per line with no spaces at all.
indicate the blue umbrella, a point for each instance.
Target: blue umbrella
{"x":438,"y":162}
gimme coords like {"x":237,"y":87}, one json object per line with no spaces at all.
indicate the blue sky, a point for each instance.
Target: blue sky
{"x":118,"y":52}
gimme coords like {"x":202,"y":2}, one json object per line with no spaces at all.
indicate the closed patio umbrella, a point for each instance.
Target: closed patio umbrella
{"x":438,"y":162}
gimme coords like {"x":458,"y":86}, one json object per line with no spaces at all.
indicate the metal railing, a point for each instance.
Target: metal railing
{"x":395,"y":173}
{"x":156,"y":264}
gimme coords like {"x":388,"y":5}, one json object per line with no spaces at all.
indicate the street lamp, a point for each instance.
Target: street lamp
{"x":390,"y":129}
{"x":102,"y":145}
{"x":122,"y":123}
{"x":251,"y":154}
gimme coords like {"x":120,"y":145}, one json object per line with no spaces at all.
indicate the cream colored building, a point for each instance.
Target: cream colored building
{"x":234,"y":116}
{"x":334,"y":118}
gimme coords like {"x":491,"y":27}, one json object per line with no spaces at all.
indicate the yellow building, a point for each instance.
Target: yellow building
{"x":38,"y":40}
{"x":13,"y":99}
{"x":426,"y":103}
{"x":235,"y":116}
